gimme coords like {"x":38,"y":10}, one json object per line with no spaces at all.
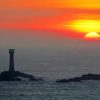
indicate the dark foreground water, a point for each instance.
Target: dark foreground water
{"x":88,"y":90}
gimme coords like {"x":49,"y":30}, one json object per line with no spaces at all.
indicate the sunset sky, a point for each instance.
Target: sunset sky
{"x":67,"y":17}
{"x":51,"y":27}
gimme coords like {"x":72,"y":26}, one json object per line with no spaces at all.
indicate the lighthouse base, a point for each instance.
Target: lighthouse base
{"x":16,"y":76}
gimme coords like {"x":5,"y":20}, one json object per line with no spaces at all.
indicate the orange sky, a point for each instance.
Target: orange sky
{"x":47,"y":14}
{"x":91,"y":4}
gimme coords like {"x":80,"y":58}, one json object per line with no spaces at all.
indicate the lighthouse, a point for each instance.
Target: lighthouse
{"x":11,"y":60}
{"x":12,"y":75}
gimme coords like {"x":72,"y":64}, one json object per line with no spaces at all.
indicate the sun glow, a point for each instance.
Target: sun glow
{"x":92,"y":35}
{"x":86,"y":25}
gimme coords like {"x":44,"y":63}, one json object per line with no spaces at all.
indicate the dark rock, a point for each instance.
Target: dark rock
{"x":16,"y":76}
{"x":90,"y":77}
{"x":80,"y":79}
{"x":77,"y":79}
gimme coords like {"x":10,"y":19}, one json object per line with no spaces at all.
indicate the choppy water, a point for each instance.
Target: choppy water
{"x":88,"y":90}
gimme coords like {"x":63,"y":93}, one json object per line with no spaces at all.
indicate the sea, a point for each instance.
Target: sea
{"x":50,"y":90}
{"x":51,"y":68}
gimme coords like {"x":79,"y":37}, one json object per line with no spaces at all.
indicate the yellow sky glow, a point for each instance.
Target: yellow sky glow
{"x":86,"y":25}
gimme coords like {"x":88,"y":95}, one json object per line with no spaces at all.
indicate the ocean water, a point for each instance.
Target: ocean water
{"x":51,"y":68}
{"x":50,"y":90}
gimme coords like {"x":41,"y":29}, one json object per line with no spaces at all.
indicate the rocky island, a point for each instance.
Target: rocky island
{"x":12,"y":75}
{"x":80,"y":79}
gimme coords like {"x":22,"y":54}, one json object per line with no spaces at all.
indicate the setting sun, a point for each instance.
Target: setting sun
{"x":92,"y":35}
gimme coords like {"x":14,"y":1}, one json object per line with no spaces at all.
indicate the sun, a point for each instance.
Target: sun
{"x":92,"y":36}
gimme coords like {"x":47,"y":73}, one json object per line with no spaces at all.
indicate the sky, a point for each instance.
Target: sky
{"x":67,"y":18}
{"x":52,"y":29}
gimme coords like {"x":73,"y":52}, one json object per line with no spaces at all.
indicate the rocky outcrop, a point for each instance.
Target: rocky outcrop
{"x":17,"y":76}
{"x":80,"y":79}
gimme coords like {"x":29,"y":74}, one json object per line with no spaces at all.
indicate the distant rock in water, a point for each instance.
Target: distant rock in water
{"x":80,"y":79}
{"x":13,"y":75}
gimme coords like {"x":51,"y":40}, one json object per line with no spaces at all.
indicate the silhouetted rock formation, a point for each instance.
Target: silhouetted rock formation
{"x":13,"y":75}
{"x":80,"y":79}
